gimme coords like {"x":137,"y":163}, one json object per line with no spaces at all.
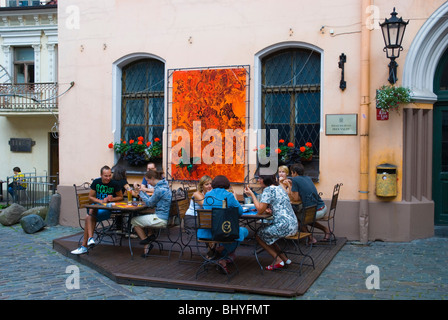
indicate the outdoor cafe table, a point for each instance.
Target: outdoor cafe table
{"x":122,"y":208}
{"x":254,"y":221}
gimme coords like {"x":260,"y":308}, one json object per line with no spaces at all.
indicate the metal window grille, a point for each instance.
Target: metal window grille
{"x":291,"y":96}
{"x":143,"y":100}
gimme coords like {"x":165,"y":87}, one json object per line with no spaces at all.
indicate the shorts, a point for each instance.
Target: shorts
{"x":149,"y":220}
{"x":321,"y":213}
{"x":100,"y":215}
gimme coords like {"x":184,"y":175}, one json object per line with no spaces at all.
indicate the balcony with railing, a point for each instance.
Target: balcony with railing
{"x":31,"y":98}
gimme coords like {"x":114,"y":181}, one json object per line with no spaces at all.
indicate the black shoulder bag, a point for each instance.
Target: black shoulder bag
{"x":225,"y":224}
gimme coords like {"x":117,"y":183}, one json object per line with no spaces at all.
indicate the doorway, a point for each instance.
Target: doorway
{"x":54,"y":155}
{"x":440,"y":140}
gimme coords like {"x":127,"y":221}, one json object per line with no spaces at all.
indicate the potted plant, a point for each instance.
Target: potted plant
{"x":137,"y":152}
{"x":389,"y":97}
{"x":263,"y":153}
{"x":287,"y":152}
{"x":155,"y":149}
{"x":306,"y":152}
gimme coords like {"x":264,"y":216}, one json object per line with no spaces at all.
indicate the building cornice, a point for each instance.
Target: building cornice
{"x":21,"y":10}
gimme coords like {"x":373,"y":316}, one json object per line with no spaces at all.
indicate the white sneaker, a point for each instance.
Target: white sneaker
{"x":91,"y":242}
{"x":80,"y":250}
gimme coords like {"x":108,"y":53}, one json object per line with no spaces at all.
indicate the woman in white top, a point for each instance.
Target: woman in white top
{"x":204,"y":186}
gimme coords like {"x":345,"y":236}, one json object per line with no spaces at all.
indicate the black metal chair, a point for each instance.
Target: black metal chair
{"x":184,"y":194}
{"x":205,"y":221}
{"x":205,"y":218}
{"x":188,"y":235}
{"x":306,"y":218}
{"x":102,"y":228}
{"x":329,"y":218}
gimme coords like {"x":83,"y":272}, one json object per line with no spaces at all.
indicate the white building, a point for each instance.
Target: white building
{"x":28,"y":83}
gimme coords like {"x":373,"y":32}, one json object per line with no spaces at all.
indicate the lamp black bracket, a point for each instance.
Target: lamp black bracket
{"x":342,"y":61}
{"x":393,"y":71}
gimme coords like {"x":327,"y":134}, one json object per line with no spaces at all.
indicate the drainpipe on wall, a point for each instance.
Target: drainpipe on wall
{"x":364,"y":126}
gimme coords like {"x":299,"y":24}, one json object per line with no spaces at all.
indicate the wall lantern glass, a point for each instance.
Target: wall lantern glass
{"x":393,"y":31}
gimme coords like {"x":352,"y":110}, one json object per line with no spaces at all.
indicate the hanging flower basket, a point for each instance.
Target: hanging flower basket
{"x":390,"y":97}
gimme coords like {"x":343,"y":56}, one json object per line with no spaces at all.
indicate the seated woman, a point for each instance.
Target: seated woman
{"x":204,"y":186}
{"x":284,"y":221}
{"x":283,"y":172}
{"x":119,"y":175}
{"x":214,"y":199}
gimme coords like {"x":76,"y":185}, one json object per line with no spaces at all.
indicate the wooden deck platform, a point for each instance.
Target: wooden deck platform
{"x":116,"y":263}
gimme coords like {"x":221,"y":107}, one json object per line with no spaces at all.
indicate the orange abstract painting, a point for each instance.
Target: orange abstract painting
{"x":207,"y":103}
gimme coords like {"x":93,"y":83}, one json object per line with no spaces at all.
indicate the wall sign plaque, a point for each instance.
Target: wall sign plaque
{"x":21,"y":145}
{"x":341,"y":124}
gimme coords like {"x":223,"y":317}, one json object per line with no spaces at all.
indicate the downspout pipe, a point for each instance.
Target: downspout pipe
{"x":364,"y":125}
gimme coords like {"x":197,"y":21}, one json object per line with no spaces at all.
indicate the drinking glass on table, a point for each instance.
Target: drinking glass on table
{"x":129,"y":192}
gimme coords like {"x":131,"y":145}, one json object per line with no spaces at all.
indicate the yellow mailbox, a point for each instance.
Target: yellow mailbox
{"x":386,"y":180}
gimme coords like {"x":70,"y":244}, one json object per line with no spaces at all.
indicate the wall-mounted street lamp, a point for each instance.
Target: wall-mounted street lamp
{"x":393,"y":31}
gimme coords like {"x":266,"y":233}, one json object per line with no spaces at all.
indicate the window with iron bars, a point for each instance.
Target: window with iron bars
{"x":291,"y":85}
{"x":143,"y":100}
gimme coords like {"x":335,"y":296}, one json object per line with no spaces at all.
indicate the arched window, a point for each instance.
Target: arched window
{"x":291,"y":97}
{"x":142,"y":107}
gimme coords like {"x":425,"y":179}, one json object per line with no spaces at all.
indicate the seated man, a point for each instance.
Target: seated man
{"x":103,"y":190}
{"x":302,"y":188}
{"x":161,"y":200}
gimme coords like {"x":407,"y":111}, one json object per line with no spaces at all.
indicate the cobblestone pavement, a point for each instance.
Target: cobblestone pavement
{"x":31,"y":270}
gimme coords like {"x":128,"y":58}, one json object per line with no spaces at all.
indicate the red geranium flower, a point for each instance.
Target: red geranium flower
{"x":148,"y":143}
{"x":291,"y":145}
{"x":111,"y":145}
{"x":278,"y":151}
{"x":308,"y":144}
{"x":140,"y":138}
{"x":131,"y":141}
{"x":156,"y":139}
{"x":281,"y":141}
